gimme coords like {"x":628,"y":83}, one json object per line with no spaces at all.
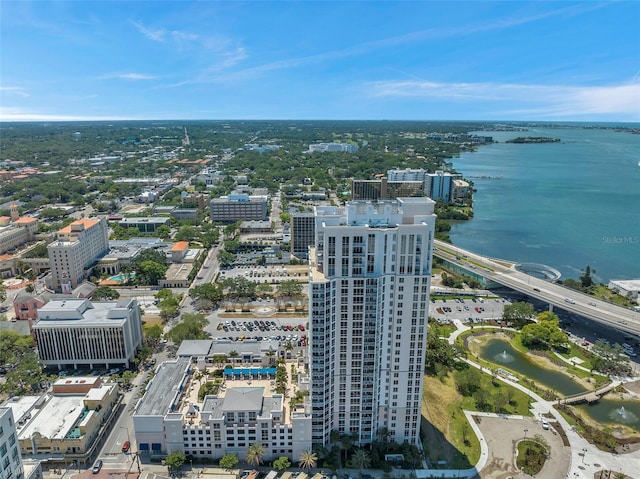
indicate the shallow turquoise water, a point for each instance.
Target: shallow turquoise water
{"x":567,"y":204}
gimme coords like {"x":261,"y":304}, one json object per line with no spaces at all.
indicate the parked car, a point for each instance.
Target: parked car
{"x":126,"y":446}
{"x":97,"y":466}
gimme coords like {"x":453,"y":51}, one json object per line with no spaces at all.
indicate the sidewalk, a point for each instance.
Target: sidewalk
{"x":586,"y":459}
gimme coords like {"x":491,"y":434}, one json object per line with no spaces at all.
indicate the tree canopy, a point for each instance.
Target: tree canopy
{"x":545,"y":333}
{"x":190,"y":327}
{"x":518,"y":313}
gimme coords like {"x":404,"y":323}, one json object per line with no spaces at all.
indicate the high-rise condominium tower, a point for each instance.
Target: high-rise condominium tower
{"x":369,"y":300}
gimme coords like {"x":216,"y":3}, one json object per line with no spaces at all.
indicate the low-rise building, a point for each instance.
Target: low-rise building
{"x":77,"y":332}
{"x":17,"y":232}
{"x":625,"y":287}
{"x":146,"y":225}
{"x":171,"y":418}
{"x":64,"y":424}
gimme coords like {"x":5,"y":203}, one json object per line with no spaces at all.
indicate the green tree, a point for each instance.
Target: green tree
{"x":282,"y":463}
{"x":586,"y":279}
{"x":24,"y":377}
{"x":175,"y":460}
{"x":308,"y":460}
{"x":255,"y":453}
{"x":467,"y":381}
{"x":186,"y":233}
{"x":103,"y":293}
{"x":163,"y":232}
{"x":208,"y":291}
{"x":361,"y":459}
{"x":518,"y":313}
{"x":14,"y":347}
{"x":150,"y":272}
{"x":3,"y":291}
{"x":190,"y":327}
{"x":229,"y":461}
{"x":225,"y":258}
{"x":152,"y":334}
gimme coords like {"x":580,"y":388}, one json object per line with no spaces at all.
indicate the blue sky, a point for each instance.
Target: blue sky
{"x":510,"y":60}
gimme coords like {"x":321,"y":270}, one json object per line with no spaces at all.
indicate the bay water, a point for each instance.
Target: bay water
{"x":567,"y":205}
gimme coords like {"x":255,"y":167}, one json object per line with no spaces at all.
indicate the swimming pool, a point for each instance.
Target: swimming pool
{"x":250,"y":372}
{"x":122,"y":277}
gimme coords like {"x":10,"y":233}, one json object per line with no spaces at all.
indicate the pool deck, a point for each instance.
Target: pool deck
{"x":190,"y":395}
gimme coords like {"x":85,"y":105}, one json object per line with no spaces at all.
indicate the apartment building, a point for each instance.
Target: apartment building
{"x":369,"y":300}
{"x":10,"y":456}
{"x":410,"y":182}
{"x":77,"y":247}
{"x":76,"y":332}
{"x":242,"y":412}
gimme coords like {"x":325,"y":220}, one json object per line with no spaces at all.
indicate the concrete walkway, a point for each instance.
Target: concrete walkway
{"x":585,"y":458}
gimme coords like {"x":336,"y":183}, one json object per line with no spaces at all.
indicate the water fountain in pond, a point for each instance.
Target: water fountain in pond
{"x":623,"y":416}
{"x":503,"y":357}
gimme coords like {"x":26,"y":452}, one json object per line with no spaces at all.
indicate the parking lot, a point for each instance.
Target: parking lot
{"x":267,"y":274}
{"x":469,"y":310}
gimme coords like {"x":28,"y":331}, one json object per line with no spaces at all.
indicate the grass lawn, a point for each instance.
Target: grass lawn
{"x":152,"y":320}
{"x":445,"y":427}
{"x":531,"y":457}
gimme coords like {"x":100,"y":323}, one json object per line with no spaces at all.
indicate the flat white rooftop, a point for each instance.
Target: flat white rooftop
{"x":56,"y":419}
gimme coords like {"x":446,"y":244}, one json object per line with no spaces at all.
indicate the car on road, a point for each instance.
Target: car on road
{"x":97,"y":466}
{"x":545,"y":425}
{"x":126,"y":446}
{"x":536,"y":289}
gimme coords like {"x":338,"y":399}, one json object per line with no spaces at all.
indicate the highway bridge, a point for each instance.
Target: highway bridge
{"x":505,"y":273}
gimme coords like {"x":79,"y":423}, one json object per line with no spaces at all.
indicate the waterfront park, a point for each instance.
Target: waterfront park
{"x":481,"y":374}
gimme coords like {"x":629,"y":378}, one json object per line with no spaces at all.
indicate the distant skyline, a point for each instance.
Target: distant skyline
{"x":358,"y":60}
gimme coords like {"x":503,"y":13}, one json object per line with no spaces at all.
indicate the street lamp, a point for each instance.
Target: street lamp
{"x":525,"y":433}
{"x":584,"y":453}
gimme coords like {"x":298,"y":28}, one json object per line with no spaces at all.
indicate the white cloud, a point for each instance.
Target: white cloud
{"x":156,"y":35}
{"x":127,"y":76}
{"x":19,"y":114}
{"x":15,"y":90}
{"x":541,"y":100}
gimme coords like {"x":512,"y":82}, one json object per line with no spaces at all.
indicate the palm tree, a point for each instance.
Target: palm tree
{"x":346,"y":443}
{"x":619,"y":475}
{"x":255,"y":453}
{"x":361,"y":459}
{"x":308,"y":460}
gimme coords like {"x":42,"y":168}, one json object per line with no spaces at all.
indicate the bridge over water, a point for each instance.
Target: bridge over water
{"x":589,"y":396}
{"x":494,"y":271}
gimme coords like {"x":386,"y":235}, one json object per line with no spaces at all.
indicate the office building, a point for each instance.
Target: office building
{"x":302,"y":233}
{"x":77,"y":247}
{"x":369,"y":301}
{"x":77,"y":332}
{"x":238,"y":207}
{"x":333,"y":147}
{"x":9,"y":448}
